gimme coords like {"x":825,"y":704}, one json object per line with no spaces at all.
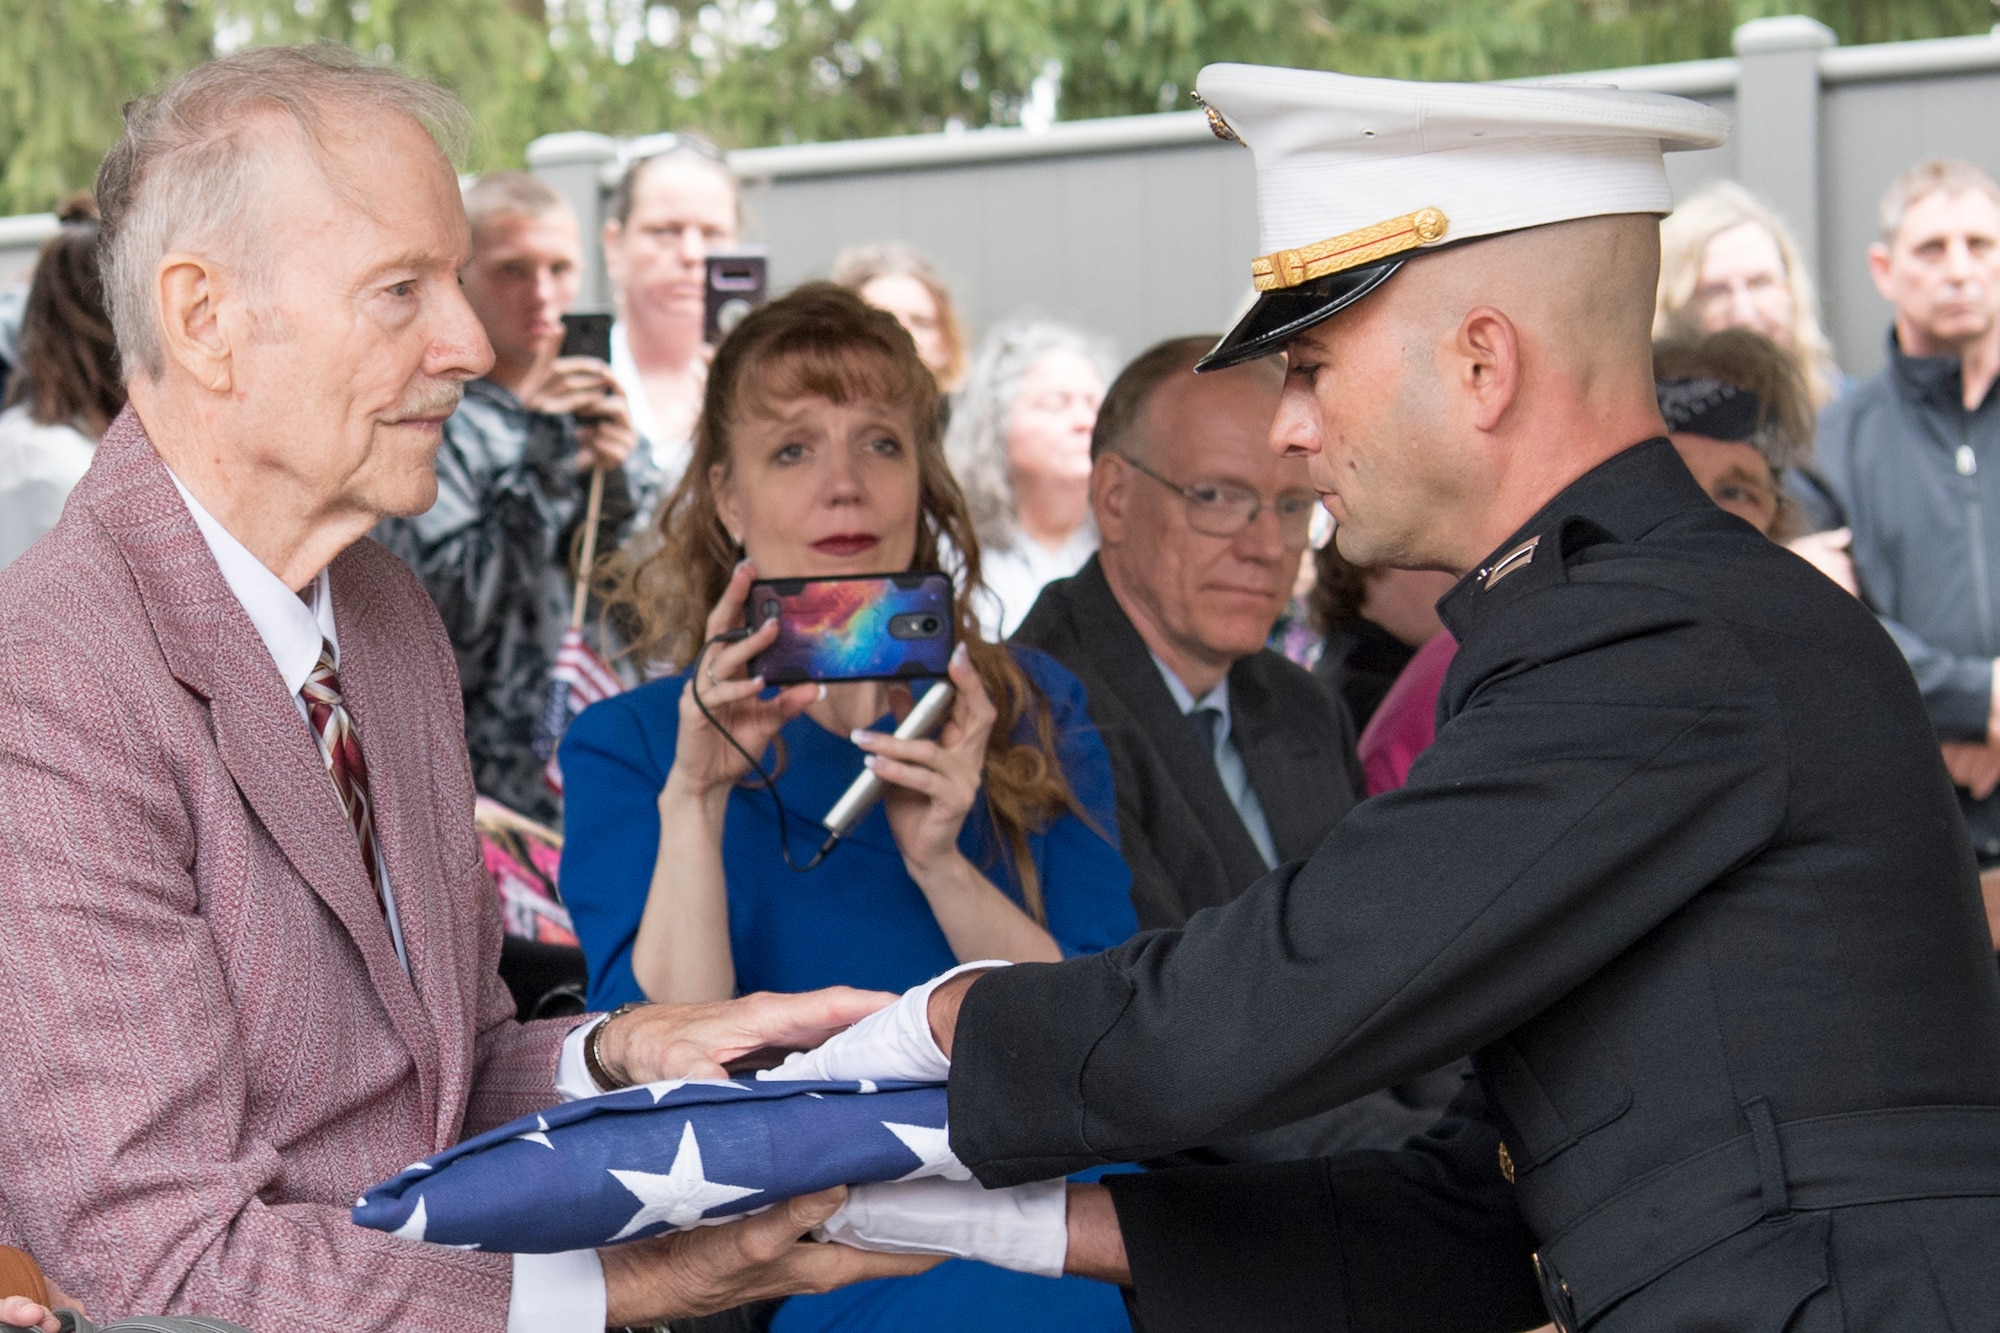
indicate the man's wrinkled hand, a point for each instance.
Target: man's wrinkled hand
{"x":699,"y":1272}
{"x":665,"y":1041}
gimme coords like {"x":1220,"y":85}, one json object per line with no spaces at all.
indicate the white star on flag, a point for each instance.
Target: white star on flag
{"x":933,"y":1149}
{"x":681,"y":1196}
{"x":541,"y":1133}
{"x":415,"y":1227}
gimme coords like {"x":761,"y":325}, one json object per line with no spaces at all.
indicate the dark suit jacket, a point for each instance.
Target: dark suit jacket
{"x":1683,"y":870}
{"x":1185,"y":842}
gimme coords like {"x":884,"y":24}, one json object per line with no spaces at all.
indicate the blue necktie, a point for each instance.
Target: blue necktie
{"x":1206,"y":722}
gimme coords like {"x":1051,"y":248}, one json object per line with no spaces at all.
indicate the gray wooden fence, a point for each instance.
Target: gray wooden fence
{"x":1143,"y":227}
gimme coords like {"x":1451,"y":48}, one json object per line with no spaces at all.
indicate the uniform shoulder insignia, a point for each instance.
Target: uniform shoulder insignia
{"x":1549,"y":551}
{"x":1509,"y":562}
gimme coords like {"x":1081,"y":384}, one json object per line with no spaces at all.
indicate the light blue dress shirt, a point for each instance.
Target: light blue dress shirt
{"x":1228,"y":763}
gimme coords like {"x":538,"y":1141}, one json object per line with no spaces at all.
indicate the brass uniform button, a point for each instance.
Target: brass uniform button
{"x":1506,"y":1164}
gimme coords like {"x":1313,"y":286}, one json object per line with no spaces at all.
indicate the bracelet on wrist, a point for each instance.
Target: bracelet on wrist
{"x":593,"y":1058}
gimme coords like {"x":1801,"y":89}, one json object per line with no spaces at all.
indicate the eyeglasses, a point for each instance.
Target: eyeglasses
{"x":1225,"y":508}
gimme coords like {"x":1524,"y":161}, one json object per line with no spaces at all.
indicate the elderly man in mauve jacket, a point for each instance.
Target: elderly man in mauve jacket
{"x":251,"y":945}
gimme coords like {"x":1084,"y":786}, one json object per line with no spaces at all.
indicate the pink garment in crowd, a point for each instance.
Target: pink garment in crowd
{"x":1406,"y":723}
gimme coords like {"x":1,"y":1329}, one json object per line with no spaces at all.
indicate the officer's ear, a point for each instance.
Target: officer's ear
{"x":1488,"y":369}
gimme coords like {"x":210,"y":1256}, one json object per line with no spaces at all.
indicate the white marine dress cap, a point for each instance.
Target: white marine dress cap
{"x":1357,"y":176}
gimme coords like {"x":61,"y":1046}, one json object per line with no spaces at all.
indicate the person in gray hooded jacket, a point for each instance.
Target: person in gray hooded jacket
{"x":1914,"y":455}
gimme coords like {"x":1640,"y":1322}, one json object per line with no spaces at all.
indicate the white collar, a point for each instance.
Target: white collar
{"x":291,"y":626}
{"x":1217,"y":698}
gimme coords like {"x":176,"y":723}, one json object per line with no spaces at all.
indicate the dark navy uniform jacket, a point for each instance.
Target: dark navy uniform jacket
{"x":1683,"y":872}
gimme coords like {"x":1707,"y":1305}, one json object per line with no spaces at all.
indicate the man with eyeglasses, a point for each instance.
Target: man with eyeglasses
{"x":1218,"y":745}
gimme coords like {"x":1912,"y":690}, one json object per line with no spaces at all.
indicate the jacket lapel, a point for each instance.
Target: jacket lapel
{"x":1109,"y":639}
{"x":213,"y":649}
{"x":394,"y":738}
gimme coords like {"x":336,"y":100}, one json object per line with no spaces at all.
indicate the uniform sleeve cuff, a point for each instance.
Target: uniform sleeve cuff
{"x":573,"y":1078}
{"x":557,"y":1293}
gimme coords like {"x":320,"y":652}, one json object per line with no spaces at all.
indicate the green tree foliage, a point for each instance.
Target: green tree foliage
{"x":777,"y":71}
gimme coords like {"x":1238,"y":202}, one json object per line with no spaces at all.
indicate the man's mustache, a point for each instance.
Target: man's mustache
{"x":433,"y":400}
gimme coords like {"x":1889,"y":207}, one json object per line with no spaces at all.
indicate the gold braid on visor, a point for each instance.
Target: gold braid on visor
{"x":1289,"y":268}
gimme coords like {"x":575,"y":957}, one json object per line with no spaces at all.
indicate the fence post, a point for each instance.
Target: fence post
{"x":573,"y":165}
{"x":1777,"y":118}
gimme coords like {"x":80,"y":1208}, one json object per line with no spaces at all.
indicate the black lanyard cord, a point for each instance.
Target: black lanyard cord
{"x":770,"y":783}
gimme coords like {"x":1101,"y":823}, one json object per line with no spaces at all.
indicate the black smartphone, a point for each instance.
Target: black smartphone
{"x":862,"y":627}
{"x":587,"y":333}
{"x":735,"y":286}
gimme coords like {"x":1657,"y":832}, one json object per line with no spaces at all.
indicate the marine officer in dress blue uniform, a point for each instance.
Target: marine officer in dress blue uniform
{"x":1682,"y":873}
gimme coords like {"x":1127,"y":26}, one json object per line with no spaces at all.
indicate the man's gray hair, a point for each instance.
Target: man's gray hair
{"x":1927,"y":178}
{"x":975,"y":443}
{"x":185,"y":175}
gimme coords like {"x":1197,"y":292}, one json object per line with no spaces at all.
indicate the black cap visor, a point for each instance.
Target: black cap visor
{"x":1279,"y":315}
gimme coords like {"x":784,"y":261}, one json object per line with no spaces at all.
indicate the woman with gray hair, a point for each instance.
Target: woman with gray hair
{"x":1019,"y":442}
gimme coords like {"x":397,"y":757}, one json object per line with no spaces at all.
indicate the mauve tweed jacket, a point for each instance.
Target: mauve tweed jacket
{"x":209,"y":1047}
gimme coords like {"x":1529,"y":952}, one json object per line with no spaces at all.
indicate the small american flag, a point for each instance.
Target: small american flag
{"x":580,"y":678}
{"x":662,"y":1157}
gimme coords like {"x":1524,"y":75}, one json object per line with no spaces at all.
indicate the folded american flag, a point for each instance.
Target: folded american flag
{"x":578,"y":679}
{"x":659,"y":1158}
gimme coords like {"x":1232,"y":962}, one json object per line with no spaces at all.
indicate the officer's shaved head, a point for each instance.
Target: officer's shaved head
{"x":1444,"y":409}
{"x":1582,"y":291}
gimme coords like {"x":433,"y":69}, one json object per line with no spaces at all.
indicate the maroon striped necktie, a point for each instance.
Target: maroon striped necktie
{"x":340,"y":747}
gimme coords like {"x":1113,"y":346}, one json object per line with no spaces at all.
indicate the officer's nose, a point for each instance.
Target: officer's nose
{"x":1295,"y":429}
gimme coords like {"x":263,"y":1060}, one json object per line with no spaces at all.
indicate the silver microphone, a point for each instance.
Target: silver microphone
{"x":924,"y":718}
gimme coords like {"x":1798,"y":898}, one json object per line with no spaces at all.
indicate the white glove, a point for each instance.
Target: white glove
{"x":1025,"y":1228}
{"x":890,"y":1045}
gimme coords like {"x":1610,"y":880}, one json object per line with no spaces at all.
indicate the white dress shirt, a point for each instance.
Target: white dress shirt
{"x":552,"y":1293}
{"x":1228,"y":762}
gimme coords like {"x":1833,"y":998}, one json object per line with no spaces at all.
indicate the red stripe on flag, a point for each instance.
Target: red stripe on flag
{"x":589,"y":679}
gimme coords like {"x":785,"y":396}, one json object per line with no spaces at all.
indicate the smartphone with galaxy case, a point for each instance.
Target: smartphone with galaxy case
{"x":859,"y":627}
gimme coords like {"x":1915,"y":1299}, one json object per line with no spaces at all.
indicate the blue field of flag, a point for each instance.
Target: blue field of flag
{"x":658,"y":1158}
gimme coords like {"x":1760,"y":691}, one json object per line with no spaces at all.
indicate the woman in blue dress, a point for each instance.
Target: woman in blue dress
{"x":817,"y":455}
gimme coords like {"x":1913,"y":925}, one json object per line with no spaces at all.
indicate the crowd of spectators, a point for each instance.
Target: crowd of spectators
{"x":1168,"y":680}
